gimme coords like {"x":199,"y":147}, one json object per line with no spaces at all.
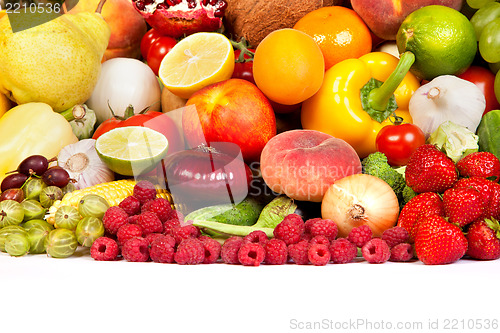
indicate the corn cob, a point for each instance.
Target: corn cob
{"x":114,"y":192}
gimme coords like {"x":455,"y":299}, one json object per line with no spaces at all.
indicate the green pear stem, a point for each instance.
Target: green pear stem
{"x":99,"y":6}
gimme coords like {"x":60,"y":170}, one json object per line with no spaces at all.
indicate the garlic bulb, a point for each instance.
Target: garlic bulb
{"x":83,"y":164}
{"x":447,"y":98}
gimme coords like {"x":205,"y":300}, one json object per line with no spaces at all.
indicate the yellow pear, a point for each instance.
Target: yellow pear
{"x":57,"y":62}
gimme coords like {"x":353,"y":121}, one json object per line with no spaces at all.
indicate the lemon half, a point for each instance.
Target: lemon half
{"x":195,"y":62}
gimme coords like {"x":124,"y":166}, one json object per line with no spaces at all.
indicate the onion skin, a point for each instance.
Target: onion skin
{"x":198,"y":174}
{"x":360,"y":199}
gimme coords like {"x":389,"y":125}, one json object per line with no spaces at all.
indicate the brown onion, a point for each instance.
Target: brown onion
{"x":360,"y":199}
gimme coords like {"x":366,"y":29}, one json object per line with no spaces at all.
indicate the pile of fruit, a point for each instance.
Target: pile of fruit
{"x":197,"y":131}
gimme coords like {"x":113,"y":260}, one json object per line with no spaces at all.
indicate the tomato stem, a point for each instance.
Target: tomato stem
{"x":243,"y":46}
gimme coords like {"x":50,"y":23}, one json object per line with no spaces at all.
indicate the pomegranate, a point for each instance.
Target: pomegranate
{"x":176,"y":18}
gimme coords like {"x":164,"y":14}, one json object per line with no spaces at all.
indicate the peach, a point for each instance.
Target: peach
{"x":302,"y":164}
{"x":126,"y":24}
{"x":384,"y":17}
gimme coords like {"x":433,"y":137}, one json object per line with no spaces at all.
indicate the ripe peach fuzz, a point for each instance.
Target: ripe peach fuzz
{"x":303,"y":163}
{"x":126,"y":24}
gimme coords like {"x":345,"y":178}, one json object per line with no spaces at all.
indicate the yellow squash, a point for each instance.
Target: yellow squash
{"x":337,"y":107}
{"x":31,"y":129}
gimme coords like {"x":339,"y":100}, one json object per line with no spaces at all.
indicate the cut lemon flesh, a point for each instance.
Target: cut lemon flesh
{"x":131,"y":150}
{"x":197,"y":61}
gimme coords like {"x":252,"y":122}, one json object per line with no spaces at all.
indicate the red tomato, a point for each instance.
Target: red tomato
{"x":484,"y":79}
{"x":243,"y":69}
{"x":398,"y":142}
{"x":158,"y":50}
{"x":156,"y":120}
{"x":147,"y":40}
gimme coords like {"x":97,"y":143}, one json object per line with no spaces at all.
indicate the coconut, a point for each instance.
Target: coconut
{"x":255,"y":19}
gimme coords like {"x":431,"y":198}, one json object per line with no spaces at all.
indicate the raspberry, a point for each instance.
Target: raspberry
{"x":256,"y":236}
{"x":318,"y":254}
{"x":395,"y":235}
{"x":151,"y":237}
{"x":114,"y":218}
{"x":324,"y":227}
{"x":230,"y":248}
{"x":175,"y":214}
{"x":162,"y":249}
{"x":319,"y":240}
{"x":136,"y":249}
{"x":212,"y":249}
{"x":145,"y":207}
{"x":376,"y":251}
{"x":144,"y":190}
{"x":162,"y":208}
{"x":189,"y":252}
{"x":251,"y":254}
{"x":298,"y":252}
{"x":276,"y":252}
{"x":291,"y":229}
{"x":360,"y":235}
{"x":170,"y":225}
{"x":186,"y":231}
{"x":401,"y":252}
{"x":128,"y":231}
{"x":130,"y":205}
{"x":133,"y":219}
{"x":342,"y":251}
{"x":308,"y":224}
{"x":149,"y":223}
{"x":104,"y":249}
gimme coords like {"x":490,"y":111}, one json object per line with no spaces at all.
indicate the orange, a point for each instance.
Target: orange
{"x":339,"y":31}
{"x":288,"y":66}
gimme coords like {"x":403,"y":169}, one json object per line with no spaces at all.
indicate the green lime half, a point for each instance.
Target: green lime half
{"x":443,"y":40}
{"x":132,"y":150}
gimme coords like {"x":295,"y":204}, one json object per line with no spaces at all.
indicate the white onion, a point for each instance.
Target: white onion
{"x":447,"y":98}
{"x":124,"y":82}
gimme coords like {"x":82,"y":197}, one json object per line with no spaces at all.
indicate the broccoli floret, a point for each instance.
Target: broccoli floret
{"x":376,"y":165}
{"x":408,"y":194}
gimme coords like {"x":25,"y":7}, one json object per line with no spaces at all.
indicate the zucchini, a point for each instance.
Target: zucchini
{"x":244,"y":213}
{"x":489,"y":133}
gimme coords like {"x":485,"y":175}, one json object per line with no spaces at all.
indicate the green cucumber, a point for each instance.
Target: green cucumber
{"x":244,"y":213}
{"x":489,"y":133}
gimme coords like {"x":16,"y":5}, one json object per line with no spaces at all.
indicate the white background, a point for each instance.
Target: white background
{"x":78,"y":294}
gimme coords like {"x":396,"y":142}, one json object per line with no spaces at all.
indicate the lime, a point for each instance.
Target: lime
{"x":443,"y":40}
{"x":131,"y":150}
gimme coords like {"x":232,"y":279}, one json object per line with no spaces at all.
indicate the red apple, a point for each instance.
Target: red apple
{"x":234,"y":111}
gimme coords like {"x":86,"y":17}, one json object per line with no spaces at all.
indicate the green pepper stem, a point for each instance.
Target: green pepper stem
{"x":74,"y":112}
{"x":379,"y":97}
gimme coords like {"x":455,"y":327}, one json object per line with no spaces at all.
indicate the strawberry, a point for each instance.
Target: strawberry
{"x":439,"y":242}
{"x":490,"y":191}
{"x":463,"y":205}
{"x":422,"y":205}
{"x":484,"y":240}
{"x":481,"y":164}
{"x":430,"y":170}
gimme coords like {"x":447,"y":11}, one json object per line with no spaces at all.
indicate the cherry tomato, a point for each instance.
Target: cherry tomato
{"x":398,"y":142}
{"x":147,"y":40}
{"x":484,"y":79}
{"x":158,"y":50}
{"x":243,"y":70}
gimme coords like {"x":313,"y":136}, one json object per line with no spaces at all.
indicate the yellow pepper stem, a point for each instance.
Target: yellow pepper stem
{"x":75,"y":112}
{"x":379,"y":97}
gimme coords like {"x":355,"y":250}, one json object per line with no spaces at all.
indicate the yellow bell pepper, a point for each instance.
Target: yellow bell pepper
{"x":338,"y":108}
{"x":32,"y":129}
